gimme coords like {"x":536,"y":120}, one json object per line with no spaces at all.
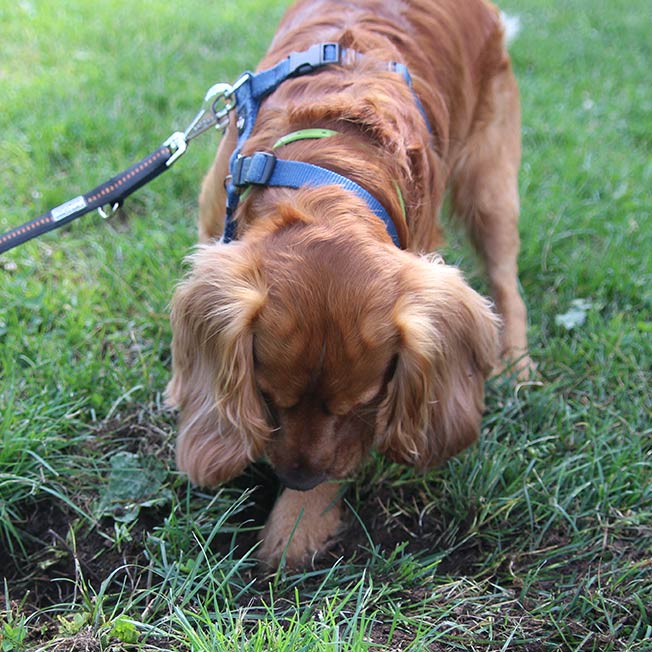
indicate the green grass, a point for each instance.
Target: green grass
{"x":539,"y":538}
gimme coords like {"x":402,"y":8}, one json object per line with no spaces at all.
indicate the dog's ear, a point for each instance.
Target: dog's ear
{"x":222,"y":425}
{"x":448,"y":345}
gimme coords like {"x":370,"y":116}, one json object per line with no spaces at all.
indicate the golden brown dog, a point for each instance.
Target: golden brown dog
{"x":312,"y":339}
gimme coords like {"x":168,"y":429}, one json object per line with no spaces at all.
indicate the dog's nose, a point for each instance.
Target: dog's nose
{"x":300,"y":479}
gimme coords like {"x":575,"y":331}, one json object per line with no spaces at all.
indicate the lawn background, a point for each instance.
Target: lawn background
{"x":538,"y":538}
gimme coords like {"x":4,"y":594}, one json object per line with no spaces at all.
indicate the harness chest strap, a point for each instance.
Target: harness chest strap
{"x":264,"y":169}
{"x":305,"y":134}
{"x":314,"y":134}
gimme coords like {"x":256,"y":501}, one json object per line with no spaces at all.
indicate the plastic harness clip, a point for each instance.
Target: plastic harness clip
{"x":301,"y":63}
{"x":256,"y":169}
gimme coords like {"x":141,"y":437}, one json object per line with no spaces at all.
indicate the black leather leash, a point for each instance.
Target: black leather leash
{"x":112,"y":193}
{"x":262,"y":168}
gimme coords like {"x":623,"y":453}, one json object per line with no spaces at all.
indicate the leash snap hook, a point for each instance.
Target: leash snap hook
{"x":221,"y":103}
{"x":214,"y":112}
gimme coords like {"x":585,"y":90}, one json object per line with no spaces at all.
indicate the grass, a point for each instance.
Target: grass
{"x":539,"y":538}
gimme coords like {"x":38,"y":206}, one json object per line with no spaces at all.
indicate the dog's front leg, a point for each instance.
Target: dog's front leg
{"x":301,"y":525}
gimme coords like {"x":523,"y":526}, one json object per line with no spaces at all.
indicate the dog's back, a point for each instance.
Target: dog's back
{"x":450,"y":47}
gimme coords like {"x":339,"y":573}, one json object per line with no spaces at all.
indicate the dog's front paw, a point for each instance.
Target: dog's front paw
{"x":301,"y":526}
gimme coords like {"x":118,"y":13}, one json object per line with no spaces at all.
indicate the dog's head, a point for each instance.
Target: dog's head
{"x":312,"y":345}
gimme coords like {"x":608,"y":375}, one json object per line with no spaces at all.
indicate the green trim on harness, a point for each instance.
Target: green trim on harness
{"x":304,"y":134}
{"x":401,"y":201}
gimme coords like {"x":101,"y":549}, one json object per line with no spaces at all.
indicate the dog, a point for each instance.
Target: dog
{"x":312,"y":339}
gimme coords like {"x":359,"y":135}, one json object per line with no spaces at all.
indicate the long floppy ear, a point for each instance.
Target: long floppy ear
{"x":222,"y":425}
{"x":448,"y":346}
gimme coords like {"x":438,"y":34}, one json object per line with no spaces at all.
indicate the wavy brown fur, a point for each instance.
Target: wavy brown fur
{"x":313,"y":339}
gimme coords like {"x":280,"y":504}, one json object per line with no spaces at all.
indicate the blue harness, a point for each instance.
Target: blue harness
{"x":265,"y":169}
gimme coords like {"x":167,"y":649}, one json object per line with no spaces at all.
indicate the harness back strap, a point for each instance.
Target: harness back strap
{"x":265,"y":169}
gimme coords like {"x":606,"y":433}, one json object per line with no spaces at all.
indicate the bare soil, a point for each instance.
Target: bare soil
{"x":51,"y":553}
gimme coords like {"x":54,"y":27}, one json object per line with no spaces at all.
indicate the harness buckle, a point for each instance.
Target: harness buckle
{"x":255,"y":169}
{"x":315,"y":56}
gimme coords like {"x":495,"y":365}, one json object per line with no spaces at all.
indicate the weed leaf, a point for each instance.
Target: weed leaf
{"x":134,"y":482}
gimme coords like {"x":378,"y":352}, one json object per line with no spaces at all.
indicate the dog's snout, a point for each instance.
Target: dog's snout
{"x":300,"y":478}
